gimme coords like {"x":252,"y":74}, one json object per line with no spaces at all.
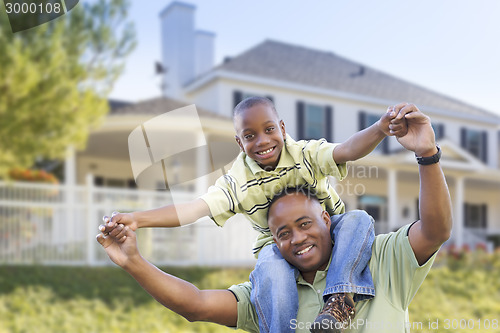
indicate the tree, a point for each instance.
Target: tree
{"x":54,"y":80}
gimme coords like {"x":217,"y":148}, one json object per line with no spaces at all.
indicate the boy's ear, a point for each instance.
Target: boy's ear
{"x":238,"y":141}
{"x":282,"y":128}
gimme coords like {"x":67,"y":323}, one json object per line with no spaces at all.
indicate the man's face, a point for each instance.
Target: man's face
{"x":260,"y":134}
{"x":301,"y":230}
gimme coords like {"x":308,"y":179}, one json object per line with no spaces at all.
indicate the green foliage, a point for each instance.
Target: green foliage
{"x":460,"y":293}
{"x":54,"y":79}
{"x":106,"y":299}
{"x":79,"y":299}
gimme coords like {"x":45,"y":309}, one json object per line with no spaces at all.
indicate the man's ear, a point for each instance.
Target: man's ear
{"x":326,"y":217}
{"x":238,"y":141}
{"x":282,"y":128}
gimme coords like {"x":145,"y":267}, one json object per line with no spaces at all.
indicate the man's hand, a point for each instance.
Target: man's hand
{"x":391,"y":126}
{"x":420,"y":137}
{"x":110,"y":223}
{"x":121,"y":248}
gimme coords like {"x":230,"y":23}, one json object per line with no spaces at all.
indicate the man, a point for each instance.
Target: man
{"x":399,"y":264}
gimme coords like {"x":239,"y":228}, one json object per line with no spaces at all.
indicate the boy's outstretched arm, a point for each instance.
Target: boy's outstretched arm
{"x":365,"y":141}
{"x":173,"y":215}
{"x":182,"y":297}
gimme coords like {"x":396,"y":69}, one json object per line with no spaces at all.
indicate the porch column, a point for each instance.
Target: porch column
{"x":458,"y":218}
{"x":202,"y":160}
{"x":69,"y":194}
{"x":392,"y":207}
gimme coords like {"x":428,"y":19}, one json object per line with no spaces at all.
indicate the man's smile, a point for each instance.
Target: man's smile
{"x":304,"y":250}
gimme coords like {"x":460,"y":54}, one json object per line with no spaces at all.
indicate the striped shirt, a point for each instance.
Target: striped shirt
{"x":248,"y":189}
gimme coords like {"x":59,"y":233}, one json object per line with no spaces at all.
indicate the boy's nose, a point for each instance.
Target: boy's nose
{"x":262,"y":140}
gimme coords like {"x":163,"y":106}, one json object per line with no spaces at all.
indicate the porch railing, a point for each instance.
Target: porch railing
{"x":57,"y":225}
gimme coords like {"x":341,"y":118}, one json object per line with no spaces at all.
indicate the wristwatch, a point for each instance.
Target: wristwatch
{"x":430,"y":159}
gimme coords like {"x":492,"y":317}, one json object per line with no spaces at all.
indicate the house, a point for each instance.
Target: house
{"x":318,"y":94}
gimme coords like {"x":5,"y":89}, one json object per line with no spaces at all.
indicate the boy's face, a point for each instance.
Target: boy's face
{"x":261,"y":135}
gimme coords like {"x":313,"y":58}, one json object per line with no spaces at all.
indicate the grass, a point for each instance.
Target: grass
{"x":462,"y":289}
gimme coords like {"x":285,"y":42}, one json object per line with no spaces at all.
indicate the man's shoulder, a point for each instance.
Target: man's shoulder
{"x":394,"y":244}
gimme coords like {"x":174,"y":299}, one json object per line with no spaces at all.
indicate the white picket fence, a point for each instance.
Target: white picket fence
{"x":57,"y":225}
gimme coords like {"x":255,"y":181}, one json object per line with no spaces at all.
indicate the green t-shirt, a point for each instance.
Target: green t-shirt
{"x":396,"y":275}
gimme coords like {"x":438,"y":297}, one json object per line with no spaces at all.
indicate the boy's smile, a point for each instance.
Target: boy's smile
{"x":260,"y":134}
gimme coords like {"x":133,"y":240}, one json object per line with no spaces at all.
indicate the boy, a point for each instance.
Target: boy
{"x":269,"y":162}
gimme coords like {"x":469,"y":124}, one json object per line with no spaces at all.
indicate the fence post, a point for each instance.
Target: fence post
{"x":90,"y":223}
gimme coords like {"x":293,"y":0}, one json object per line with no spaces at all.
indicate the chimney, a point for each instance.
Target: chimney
{"x":204,"y":52}
{"x":186,"y":53}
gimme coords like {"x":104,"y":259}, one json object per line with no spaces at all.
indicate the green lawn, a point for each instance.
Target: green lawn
{"x":464,"y":290}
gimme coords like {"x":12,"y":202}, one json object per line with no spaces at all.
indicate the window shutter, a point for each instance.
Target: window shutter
{"x":440,"y":131}
{"x":385,"y":145}
{"x":484,"y":146}
{"x":300,"y":120}
{"x":463,"y":137}
{"x":484,"y":216}
{"x":361,"y":120}
{"x":329,"y":123}
{"x":237,"y":97}
{"x":466,"y":215}
{"x":98,"y":181}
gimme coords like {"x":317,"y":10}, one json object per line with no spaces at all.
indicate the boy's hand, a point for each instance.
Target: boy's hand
{"x":126,"y":219}
{"x":391,"y":125}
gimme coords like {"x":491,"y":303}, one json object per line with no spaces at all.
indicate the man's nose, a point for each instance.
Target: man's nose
{"x":298,"y":237}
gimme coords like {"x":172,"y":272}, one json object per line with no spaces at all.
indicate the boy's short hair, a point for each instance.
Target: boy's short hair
{"x":306,"y":190}
{"x":249,"y":102}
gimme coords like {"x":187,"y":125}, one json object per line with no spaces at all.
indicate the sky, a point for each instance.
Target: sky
{"x":449,"y":46}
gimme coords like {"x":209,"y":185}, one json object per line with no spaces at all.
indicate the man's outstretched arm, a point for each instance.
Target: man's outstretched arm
{"x":182,"y":297}
{"x":434,"y":226}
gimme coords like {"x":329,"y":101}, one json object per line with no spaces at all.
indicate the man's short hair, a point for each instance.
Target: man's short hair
{"x":305,"y":190}
{"x":249,"y":102}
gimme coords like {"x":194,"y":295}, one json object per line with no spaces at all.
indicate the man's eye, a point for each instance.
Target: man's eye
{"x":305,"y":224}
{"x":283,"y":235}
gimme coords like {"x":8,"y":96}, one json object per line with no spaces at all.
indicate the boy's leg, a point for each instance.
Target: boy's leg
{"x":274,"y":291}
{"x":353,"y":234}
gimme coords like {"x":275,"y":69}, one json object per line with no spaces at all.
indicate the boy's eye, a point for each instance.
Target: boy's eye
{"x":248,"y":136}
{"x":270,"y":129}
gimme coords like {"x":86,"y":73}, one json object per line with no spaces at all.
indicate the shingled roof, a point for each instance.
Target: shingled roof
{"x":156,"y":106}
{"x":297,"y":64}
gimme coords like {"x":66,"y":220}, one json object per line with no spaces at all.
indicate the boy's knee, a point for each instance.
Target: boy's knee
{"x":359,"y":216}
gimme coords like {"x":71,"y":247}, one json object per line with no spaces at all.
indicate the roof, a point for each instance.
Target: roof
{"x":160,"y":105}
{"x":297,"y":64}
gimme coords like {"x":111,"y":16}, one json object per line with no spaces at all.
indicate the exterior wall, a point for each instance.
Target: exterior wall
{"x":109,"y":168}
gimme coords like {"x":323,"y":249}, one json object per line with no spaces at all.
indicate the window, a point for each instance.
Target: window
{"x":238,"y":96}
{"x":438,"y":130}
{"x":475,"y":142}
{"x":475,"y":216}
{"x":366,"y":120}
{"x":374,"y":205}
{"x":314,"y":121}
